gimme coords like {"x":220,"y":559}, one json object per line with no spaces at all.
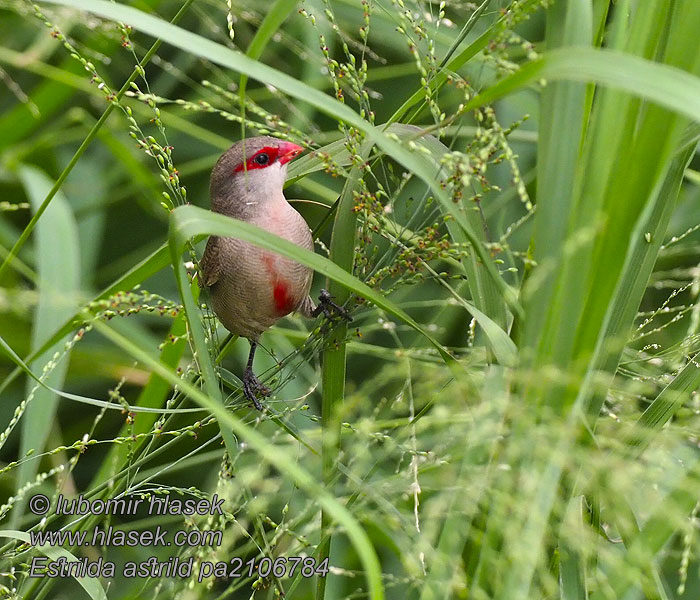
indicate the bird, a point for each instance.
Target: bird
{"x":251,"y":288}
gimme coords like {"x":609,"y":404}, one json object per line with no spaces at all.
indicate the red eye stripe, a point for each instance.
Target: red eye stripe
{"x":272,"y":153}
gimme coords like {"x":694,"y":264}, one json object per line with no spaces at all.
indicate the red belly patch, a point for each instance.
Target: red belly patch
{"x":284,"y":303}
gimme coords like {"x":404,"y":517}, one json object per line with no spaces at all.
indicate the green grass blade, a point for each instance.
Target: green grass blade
{"x":219,"y":54}
{"x":656,"y":133}
{"x":276,"y":15}
{"x":84,"y":146}
{"x":58,"y":267}
{"x":640,"y":262}
{"x":91,"y":585}
{"x":280,"y":459}
{"x":141,"y":271}
{"x":572,"y":564}
{"x":189,"y":221}
{"x":559,"y":146}
{"x":342,"y":253}
{"x":664,"y":85}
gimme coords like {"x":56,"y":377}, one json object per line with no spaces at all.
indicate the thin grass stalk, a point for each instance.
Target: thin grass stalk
{"x":274,"y":456}
{"x":219,"y":54}
{"x":632,"y":286}
{"x":140,"y":272}
{"x":86,"y":143}
{"x":560,"y":138}
{"x":342,"y":250}
{"x":58,"y":264}
{"x":201,"y":351}
{"x":276,"y":15}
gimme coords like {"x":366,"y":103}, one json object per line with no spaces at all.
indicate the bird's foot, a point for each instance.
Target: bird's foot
{"x":252,"y":388}
{"x":329,"y":308}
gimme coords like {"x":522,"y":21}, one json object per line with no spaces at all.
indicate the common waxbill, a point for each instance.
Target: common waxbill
{"x":252,"y":288}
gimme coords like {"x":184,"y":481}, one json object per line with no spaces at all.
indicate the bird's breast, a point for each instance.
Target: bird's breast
{"x":258,"y":286}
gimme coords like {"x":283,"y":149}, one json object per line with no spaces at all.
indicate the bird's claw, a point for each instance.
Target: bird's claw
{"x":252,"y":387}
{"x":329,"y":308}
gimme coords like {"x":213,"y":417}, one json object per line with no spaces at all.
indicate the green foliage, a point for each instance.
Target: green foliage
{"x":503,"y":194}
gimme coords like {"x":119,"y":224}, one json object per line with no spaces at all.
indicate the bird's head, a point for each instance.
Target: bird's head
{"x":250,"y":172}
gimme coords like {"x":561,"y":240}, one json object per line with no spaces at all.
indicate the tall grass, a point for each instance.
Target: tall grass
{"x":504,"y":196}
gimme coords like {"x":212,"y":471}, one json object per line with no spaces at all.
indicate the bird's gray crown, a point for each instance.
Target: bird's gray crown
{"x":236,"y":193}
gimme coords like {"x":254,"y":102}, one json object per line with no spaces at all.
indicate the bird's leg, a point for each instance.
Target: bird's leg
{"x":329,"y":308}
{"x":251,"y":386}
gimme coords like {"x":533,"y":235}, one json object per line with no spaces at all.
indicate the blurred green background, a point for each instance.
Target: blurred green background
{"x":512,"y":472}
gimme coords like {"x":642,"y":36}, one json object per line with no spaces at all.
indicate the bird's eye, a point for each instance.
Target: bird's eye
{"x":262,"y":158}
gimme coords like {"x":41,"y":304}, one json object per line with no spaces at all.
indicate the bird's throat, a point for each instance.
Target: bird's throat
{"x":249,"y":194}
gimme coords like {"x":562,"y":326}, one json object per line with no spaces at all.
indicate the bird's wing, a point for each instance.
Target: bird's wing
{"x":210,"y":265}
{"x":307,"y":307}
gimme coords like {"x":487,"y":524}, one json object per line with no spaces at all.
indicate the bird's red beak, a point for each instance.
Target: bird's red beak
{"x":288,"y":151}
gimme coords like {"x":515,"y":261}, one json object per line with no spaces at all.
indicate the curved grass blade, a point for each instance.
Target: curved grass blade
{"x":280,"y":459}
{"x":58,"y":267}
{"x":84,"y":145}
{"x":138,"y":273}
{"x":667,"y":86}
{"x":189,"y":221}
{"x":276,"y":15}
{"x":84,"y":399}
{"x":91,"y":585}
{"x":219,"y":54}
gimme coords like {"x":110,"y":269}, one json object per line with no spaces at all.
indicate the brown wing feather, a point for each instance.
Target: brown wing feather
{"x":307,"y":307}
{"x":210,"y":265}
